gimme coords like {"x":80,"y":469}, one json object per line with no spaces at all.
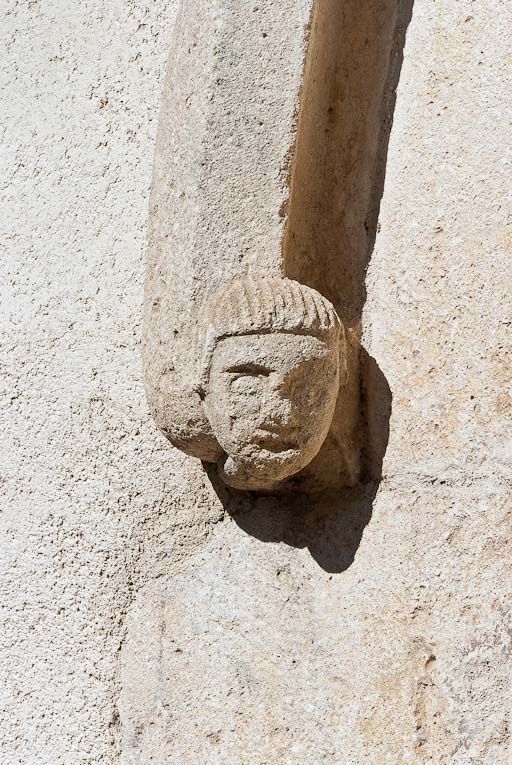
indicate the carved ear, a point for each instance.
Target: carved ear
{"x":180,"y":415}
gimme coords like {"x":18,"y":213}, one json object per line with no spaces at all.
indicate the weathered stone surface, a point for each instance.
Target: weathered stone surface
{"x":227,"y":127}
{"x":82,"y":472}
{"x":406,"y":592}
{"x":252,"y":654}
{"x":269,"y":362}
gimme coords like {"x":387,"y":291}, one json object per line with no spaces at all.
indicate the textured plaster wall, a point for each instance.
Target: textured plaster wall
{"x":138,"y":619}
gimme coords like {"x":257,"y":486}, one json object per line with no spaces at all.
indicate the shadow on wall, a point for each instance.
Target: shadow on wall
{"x":354,"y":60}
{"x":329,"y":525}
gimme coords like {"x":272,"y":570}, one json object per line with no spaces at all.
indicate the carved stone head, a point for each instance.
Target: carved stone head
{"x":269,"y":377}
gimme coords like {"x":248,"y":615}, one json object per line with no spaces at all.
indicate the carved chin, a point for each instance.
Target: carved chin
{"x":263,"y":474}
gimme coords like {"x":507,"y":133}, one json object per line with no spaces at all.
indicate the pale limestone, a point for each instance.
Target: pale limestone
{"x":227,"y":128}
{"x":226,"y":187}
{"x":252,"y":653}
{"x":103,"y":523}
{"x":271,"y":364}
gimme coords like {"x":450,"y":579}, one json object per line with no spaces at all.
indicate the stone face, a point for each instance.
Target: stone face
{"x":374,"y":624}
{"x":268,"y":378}
{"x":271,"y":410}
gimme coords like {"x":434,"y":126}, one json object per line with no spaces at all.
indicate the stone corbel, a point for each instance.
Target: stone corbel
{"x":251,"y":358}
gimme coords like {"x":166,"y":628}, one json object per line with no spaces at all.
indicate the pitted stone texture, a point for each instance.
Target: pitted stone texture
{"x":252,"y":654}
{"x":438,"y":314}
{"x":270,"y":400}
{"x":85,"y":483}
{"x":227,"y":128}
{"x":415,"y":632}
{"x":268,"y":366}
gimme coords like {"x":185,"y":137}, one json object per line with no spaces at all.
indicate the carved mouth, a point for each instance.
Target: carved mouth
{"x":278,"y":448}
{"x":272,"y":440}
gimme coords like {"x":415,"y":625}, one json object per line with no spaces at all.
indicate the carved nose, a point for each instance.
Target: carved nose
{"x":277,"y":410}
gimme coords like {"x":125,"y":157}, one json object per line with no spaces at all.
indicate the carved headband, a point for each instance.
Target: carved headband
{"x":258,"y":304}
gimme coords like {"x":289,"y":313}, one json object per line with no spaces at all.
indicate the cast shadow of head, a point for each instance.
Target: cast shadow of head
{"x":329,"y":525}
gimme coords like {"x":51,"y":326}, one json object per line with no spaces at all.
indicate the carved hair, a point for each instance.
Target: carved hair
{"x":258,"y":304}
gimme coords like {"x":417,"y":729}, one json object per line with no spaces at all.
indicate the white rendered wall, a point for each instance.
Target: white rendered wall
{"x":411,"y":656}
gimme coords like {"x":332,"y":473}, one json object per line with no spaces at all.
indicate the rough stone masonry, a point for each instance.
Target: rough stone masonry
{"x":143,"y":615}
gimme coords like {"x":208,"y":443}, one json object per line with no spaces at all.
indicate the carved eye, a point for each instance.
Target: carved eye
{"x":249,"y":370}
